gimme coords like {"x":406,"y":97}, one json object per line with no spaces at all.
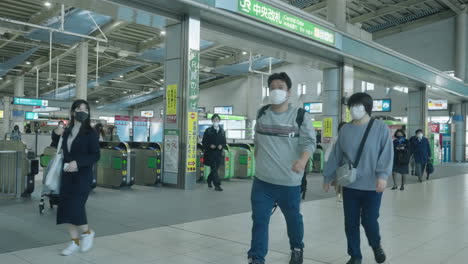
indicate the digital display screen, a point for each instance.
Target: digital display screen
{"x":437,"y":104}
{"x":223,"y":110}
{"x":147,"y":113}
{"x":383,"y":105}
{"x":313,"y":108}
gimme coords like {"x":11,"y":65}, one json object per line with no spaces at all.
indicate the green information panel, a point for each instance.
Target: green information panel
{"x":284,"y":20}
{"x":31,"y":102}
{"x":152,"y":162}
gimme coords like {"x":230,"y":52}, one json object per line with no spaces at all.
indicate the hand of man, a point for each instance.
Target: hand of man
{"x":212,"y":146}
{"x":72,"y":167}
{"x":220,"y":147}
{"x":381,"y":185}
{"x":299,"y":166}
{"x":326,"y":186}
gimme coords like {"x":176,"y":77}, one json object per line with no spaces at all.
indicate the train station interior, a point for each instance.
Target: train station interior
{"x":157,"y":73}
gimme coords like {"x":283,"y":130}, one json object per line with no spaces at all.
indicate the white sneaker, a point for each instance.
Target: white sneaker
{"x":86,"y":242}
{"x":71,"y":249}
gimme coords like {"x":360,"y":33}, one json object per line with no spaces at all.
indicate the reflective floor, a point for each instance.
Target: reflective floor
{"x":426,"y":223}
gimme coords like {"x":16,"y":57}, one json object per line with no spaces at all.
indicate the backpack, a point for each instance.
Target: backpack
{"x":299,"y":120}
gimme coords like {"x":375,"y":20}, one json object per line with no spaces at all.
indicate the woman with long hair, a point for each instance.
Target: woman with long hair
{"x":80,"y":152}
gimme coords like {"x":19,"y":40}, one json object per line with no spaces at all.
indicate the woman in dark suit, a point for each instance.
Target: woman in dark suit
{"x":80,"y":151}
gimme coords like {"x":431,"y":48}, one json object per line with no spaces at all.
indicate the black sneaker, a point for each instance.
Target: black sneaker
{"x":210,"y":185}
{"x":253,"y":261}
{"x":379,"y":254}
{"x":354,"y":261}
{"x":402,"y":188}
{"x":297,"y":256}
{"x":218,"y":188}
{"x":394,"y":187}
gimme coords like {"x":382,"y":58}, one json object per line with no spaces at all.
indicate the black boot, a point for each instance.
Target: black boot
{"x":354,"y":261}
{"x":210,"y":185}
{"x":297,"y":256}
{"x":254,"y":261}
{"x":218,"y":188}
{"x":379,"y":254}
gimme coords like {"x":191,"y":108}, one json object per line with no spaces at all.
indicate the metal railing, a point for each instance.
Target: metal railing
{"x":11,"y":180}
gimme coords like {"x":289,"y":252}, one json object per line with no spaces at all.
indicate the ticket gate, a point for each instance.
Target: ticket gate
{"x":29,"y":168}
{"x":243,"y":160}
{"x":226,"y":169}
{"x":148,"y":170}
{"x":116,"y":167}
{"x":318,"y":161}
{"x":200,"y":163}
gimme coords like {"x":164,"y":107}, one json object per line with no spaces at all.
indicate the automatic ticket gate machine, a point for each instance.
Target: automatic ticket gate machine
{"x":243,"y":161}
{"x":147,"y":167}
{"x":116,"y":168}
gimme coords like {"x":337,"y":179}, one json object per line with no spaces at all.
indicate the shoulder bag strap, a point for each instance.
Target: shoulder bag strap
{"x":59,"y":146}
{"x":363,"y":142}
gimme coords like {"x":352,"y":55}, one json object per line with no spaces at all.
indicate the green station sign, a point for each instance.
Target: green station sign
{"x":228,"y":117}
{"x":286,"y":21}
{"x":30,"y":102}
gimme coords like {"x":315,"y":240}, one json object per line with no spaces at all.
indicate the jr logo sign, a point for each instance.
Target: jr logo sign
{"x":246,"y":5}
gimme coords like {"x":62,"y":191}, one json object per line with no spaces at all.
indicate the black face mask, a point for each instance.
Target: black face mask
{"x":81,"y":116}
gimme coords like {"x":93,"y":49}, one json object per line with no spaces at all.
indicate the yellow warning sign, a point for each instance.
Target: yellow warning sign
{"x":171,"y":100}
{"x":192,"y":141}
{"x":328,"y":127}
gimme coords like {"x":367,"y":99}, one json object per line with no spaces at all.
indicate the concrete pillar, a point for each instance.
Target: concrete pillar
{"x":336,"y":13}
{"x":348,"y":90}
{"x":460,"y":135}
{"x":82,"y":71}
{"x":19,"y":92}
{"x":417,"y":111}
{"x":331,"y":103}
{"x":461,"y":45}
{"x":6,"y":117}
{"x":181,"y":102}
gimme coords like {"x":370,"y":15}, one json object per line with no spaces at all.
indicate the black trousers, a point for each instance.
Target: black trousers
{"x":214,"y":177}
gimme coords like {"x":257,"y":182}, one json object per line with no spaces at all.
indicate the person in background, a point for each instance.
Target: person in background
{"x":401,"y":158}
{"x":362,"y":198}
{"x":99,"y":128}
{"x":28,"y":129}
{"x":421,"y":151}
{"x":15,"y":134}
{"x":57,"y":133}
{"x":214,"y":141}
{"x":411,"y":143}
{"x":283,"y":147}
{"x":112,"y":135}
{"x":80,"y":152}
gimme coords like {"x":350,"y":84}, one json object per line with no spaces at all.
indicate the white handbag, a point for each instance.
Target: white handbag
{"x":54,"y":170}
{"x":347,"y":174}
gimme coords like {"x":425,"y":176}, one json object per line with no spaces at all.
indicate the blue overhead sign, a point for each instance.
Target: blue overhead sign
{"x":30,"y":102}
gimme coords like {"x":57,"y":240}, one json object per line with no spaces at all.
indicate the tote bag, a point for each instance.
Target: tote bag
{"x":54,"y":170}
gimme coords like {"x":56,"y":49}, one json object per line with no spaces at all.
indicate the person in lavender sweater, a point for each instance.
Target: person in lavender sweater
{"x":362,"y":198}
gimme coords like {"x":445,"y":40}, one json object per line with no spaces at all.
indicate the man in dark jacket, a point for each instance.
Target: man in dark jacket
{"x":421,"y":151}
{"x":214,"y":141}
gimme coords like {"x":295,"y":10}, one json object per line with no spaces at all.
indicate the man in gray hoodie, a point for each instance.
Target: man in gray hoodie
{"x":362,"y":198}
{"x":283,"y":146}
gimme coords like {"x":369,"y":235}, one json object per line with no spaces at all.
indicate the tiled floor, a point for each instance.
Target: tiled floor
{"x":425,"y":224}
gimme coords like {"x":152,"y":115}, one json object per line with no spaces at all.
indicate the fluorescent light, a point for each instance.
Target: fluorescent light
{"x":97,"y":101}
{"x":28,"y":63}
{"x":163,"y":33}
{"x":121,"y":76}
{"x":162,"y":80}
{"x":47,"y":4}
{"x":1,"y":78}
{"x":244,"y":53}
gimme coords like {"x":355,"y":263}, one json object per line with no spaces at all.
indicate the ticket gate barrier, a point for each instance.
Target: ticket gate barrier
{"x":200,"y":163}
{"x":25,"y":167}
{"x":116,"y":167}
{"x":148,"y":170}
{"x":226,"y":168}
{"x":243,"y":160}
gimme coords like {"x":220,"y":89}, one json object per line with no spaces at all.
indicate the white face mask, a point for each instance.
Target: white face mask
{"x":358,"y":112}
{"x":61,"y":126}
{"x":216,"y":124}
{"x":278,"y":97}
{"x":420,"y":136}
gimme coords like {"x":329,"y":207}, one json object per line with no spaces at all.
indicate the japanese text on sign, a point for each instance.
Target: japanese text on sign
{"x":171,"y":99}
{"x":328,"y":127}
{"x":284,"y":20}
{"x":192,"y":141}
{"x":194,"y":62}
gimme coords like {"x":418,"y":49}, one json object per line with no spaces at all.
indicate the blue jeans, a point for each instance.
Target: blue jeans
{"x":361,"y":207}
{"x":264,"y":196}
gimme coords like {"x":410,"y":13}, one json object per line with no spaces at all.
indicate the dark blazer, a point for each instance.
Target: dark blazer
{"x":211,"y":137}
{"x":421,"y":151}
{"x":85,"y":151}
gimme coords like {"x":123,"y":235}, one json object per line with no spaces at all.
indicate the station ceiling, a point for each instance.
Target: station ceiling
{"x":138,"y":48}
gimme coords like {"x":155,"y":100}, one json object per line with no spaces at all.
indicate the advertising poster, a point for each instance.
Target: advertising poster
{"x":156,"y":130}
{"x":140,"y":129}
{"x":171,"y":103}
{"x":328,"y":127}
{"x":313,"y":108}
{"x":122,"y":123}
{"x":192,"y":134}
{"x":384,"y":105}
{"x":171,"y":150}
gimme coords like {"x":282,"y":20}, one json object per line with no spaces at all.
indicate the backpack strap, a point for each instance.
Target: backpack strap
{"x":262,"y":111}
{"x":300,"y":116}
